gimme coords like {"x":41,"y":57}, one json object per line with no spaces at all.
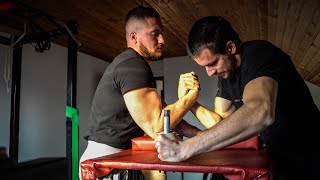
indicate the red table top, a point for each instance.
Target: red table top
{"x":234,"y":164}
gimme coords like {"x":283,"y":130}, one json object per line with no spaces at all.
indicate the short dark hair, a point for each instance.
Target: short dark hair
{"x":142,"y":12}
{"x":212,"y":32}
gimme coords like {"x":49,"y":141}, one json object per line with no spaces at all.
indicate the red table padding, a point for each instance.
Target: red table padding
{"x":235,"y":164}
{"x":146,"y":143}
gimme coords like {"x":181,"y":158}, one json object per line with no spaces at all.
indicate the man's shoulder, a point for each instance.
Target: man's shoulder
{"x":258,"y":43}
{"x":258,"y":48}
{"x":127,"y":54}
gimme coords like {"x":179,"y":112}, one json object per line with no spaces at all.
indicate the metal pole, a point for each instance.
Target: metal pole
{"x":72,"y":102}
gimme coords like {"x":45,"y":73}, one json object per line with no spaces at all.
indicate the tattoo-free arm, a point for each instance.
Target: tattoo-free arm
{"x":254,"y":116}
{"x":146,"y":108}
{"x":185,"y":129}
{"x":222,"y":109}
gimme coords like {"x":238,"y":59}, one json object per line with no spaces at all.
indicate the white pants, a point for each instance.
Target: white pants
{"x":95,"y":150}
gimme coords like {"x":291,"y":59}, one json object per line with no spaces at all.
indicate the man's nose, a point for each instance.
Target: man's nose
{"x":210,"y":71}
{"x":161,"y":39}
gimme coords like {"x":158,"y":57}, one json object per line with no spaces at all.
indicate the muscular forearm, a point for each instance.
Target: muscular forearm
{"x":242,"y":125}
{"x":185,"y":129}
{"x":255,"y":115}
{"x":205,"y":116}
{"x":179,"y":109}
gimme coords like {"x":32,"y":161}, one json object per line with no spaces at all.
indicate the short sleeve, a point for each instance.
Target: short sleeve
{"x":221,"y":91}
{"x":133,"y":73}
{"x":260,"y":60}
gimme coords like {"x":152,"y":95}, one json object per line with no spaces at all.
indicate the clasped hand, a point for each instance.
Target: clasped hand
{"x":169,"y":147}
{"x":188,"y":82}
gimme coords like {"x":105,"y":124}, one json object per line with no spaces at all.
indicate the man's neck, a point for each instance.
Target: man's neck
{"x":139,"y":52}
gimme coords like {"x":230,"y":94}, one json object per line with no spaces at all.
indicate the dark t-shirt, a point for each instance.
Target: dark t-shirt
{"x":294,"y":131}
{"x":110,"y":121}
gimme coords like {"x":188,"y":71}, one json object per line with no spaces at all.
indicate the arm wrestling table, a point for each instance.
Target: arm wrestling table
{"x":234,"y":164}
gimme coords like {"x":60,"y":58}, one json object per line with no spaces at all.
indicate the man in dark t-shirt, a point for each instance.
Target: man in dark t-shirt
{"x":110,"y":121}
{"x":126,"y":103}
{"x":259,"y":93}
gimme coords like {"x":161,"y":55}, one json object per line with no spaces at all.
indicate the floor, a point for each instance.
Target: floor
{"x":57,"y":169}
{"x":44,"y":168}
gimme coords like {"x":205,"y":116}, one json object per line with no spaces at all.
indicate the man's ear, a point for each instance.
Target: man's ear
{"x":231,"y":47}
{"x":133,"y":37}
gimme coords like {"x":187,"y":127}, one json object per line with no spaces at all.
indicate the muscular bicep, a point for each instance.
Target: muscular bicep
{"x":260,"y":95}
{"x":223,"y":107}
{"x":145,"y":107}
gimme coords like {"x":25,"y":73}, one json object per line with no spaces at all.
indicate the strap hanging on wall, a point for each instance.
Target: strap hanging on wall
{"x":8,"y":64}
{"x":38,"y":37}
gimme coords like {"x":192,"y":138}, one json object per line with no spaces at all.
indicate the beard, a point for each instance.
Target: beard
{"x":151,"y":56}
{"x":232,"y":69}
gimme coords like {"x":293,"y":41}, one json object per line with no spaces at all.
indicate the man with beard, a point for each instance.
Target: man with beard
{"x":126,"y":103}
{"x":259,"y":93}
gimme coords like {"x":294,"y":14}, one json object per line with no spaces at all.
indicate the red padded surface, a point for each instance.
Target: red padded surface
{"x":252,"y":143}
{"x":145,"y":143}
{"x":234,"y":164}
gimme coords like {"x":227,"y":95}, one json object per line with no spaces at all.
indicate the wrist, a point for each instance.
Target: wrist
{"x":187,"y":149}
{"x":184,"y":152}
{"x":193,"y":95}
